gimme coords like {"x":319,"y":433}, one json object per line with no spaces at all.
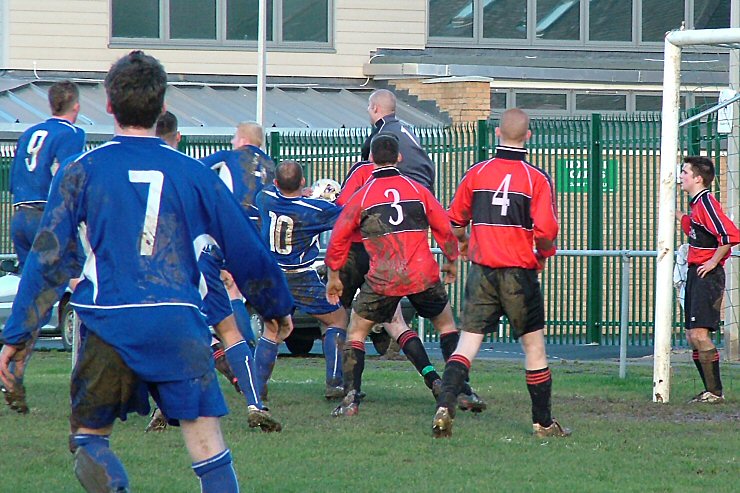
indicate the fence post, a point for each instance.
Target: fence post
{"x":595,"y":277}
{"x":481,"y":144}
{"x":275,"y":146}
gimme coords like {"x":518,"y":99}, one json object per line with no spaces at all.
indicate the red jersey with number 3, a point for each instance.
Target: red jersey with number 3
{"x":393,"y":214}
{"x":708,"y":228}
{"x":509,"y":203}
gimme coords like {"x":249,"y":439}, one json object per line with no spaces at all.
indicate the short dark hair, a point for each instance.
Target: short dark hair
{"x":289,"y":175}
{"x":166,"y":124}
{"x":63,"y":96}
{"x":701,"y":166}
{"x":384,"y":148}
{"x":135,"y":85}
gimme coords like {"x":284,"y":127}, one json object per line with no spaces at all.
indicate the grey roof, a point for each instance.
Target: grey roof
{"x":571,"y":65}
{"x":211,"y":108}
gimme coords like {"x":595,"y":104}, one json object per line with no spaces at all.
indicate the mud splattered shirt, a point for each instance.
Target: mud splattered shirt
{"x":245,"y":171}
{"x":393,"y":214}
{"x":144,"y":213}
{"x":509,"y":203}
{"x":40,"y":151}
{"x":708,"y":228}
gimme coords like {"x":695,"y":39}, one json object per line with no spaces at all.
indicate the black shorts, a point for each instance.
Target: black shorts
{"x":703,"y":302}
{"x":381,"y":308}
{"x":491,"y":293}
{"x":352,"y":273}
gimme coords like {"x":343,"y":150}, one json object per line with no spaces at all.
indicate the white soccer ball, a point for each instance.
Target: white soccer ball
{"x":326,"y":189}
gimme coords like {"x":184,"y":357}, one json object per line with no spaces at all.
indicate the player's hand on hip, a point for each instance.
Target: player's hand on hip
{"x":450,"y":271}
{"x":706,"y":268}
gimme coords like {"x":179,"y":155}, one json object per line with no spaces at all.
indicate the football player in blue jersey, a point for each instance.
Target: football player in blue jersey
{"x":40,"y":151}
{"x":138,"y":207}
{"x":245,"y":169}
{"x":226,"y":313}
{"x":291,"y":225}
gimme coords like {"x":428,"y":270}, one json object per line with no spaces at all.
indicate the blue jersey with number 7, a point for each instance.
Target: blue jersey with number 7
{"x":144,"y":213}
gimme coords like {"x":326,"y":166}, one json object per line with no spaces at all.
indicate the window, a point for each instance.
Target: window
{"x":541,"y":101}
{"x":645,"y":102}
{"x":498,"y":100}
{"x":138,"y":19}
{"x":546,"y":23}
{"x":304,"y":23}
{"x":451,"y":18}
{"x":558,"y":19}
{"x":601,"y":102}
{"x":711,"y":14}
{"x":609,"y":20}
{"x":505,"y":19}
{"x":659,"y":17}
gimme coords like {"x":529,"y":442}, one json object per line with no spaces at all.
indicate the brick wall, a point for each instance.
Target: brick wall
{"x":465,"y":99}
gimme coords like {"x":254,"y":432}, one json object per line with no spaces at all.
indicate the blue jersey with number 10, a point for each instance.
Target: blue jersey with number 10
{"x":41,"y":150}
{"x":144,"y":212}
{"x":291,"y":226}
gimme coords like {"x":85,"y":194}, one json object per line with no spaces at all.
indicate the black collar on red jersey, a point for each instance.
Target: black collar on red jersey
{"x":511,"y":153}
{"x":385,"y":172}
{"x":698,"y":196}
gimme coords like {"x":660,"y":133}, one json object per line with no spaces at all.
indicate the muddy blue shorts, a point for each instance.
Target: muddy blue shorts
{"x":105,"y":388}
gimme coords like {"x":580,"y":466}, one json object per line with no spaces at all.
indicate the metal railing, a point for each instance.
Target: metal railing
{"x":605,"y":170}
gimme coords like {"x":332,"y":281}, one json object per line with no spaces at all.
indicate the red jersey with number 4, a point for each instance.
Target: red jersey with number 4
{"x":393,"y":214}
{"x":708,"y":228}
{"x":509,"y":203}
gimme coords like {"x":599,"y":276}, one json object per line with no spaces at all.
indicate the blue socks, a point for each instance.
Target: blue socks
{"x":333,"y":346}
{"x":217,"y":474}
{"x":243,"y":321}
{"x":241,"y":362}
{"x":96,"y":466}
{"x":265,"y":357}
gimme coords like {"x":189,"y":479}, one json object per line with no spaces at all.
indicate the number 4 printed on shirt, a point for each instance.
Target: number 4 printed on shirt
{"x":501,"y":196}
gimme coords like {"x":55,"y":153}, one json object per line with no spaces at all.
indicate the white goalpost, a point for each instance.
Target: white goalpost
{"x":669,"y":160}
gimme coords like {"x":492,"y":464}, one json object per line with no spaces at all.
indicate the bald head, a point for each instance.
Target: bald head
{"x":248,"y":133}
{"x":381,"y":103}
{"x":513,"y":128}
{"x":289,"y":176}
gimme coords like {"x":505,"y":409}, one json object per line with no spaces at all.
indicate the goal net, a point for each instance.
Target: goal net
{"x":722,"y":113}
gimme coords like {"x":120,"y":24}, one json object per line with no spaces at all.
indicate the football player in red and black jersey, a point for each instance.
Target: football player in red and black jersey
{"x":711,"y":236}
{"x":510,"y":206}
{"x":393,"y":214}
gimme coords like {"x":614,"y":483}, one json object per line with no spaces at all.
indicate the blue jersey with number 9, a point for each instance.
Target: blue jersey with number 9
{"x":40,"y":151}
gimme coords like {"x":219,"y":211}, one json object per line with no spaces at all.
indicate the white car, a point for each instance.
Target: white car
{"x":62,"y":319}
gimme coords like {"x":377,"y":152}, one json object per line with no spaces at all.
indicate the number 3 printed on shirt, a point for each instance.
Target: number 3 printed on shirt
{"x":155,"y":179}
{"x":501,"y":196}
{"x":396,"y":199}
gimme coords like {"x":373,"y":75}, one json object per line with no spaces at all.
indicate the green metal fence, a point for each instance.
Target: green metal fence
{"x":606,"y":173}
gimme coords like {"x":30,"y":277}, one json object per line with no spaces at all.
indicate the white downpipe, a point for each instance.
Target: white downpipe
{"x":666,"y":222}
{"x":261,"y":61}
